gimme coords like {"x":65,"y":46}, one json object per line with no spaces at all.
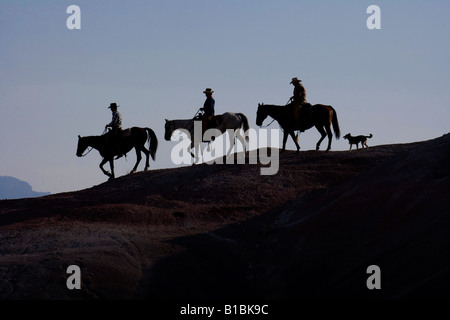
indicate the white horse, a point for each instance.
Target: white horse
{"x":226,"y":121}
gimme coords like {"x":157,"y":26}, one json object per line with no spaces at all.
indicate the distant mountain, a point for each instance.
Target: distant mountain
{"x":12,"y":188}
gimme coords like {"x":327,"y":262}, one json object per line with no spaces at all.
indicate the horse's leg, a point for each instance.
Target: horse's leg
{"x":138,"y":159}
{"x":323,"y":135}
{"x":190,"y":149}
{"x":285,"y":136}
{"x":231,"y":136}
{"x":241,"y":139}
{"x":147,"y":154}
{"x":330,"y":136}
{"x":295,"y":140}
{"x":111,"y":164}
{"x":199,"y":151}
{"x":196,"y":152}
{"x":105,"y":160}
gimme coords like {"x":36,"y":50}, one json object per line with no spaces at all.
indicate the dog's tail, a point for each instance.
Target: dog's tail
{"x":369,"y":136}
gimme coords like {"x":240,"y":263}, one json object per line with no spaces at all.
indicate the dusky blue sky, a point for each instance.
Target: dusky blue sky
{"x":155,"y":58}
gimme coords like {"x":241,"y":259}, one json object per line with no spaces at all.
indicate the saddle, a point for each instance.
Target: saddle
{"x":114,"y":139}
{"x":117,"y":134}
{"x":306,"y":110}
{"x":126,"y":133}
{"x":214,"y":122}
{"x":302,"y":115}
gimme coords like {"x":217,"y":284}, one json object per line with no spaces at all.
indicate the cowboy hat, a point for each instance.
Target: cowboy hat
{"x":295,"y":80}
{"x":112,"y":105}
{"x":208,"y":90}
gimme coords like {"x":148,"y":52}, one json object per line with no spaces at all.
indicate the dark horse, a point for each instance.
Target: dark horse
{"x":132,"y":138}
{"x":322,"y":117}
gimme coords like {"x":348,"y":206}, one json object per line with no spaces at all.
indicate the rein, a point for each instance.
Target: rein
{"x":191,"y":123}
{"x":267,"y":125}
{"x":84,"y":155}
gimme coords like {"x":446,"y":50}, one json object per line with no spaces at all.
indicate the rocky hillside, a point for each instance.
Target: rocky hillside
{"x":227,"y":232}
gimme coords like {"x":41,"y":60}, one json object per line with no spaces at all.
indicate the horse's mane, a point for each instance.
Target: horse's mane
{"x":274,"y":105}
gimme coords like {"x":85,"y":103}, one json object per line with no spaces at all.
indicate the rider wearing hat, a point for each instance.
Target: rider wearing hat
{"x":116,"y":122}
{"x":116,"y":129}
{"x":299,"y":96}
{"x":208,"y":108}
{"x":298,"y":100}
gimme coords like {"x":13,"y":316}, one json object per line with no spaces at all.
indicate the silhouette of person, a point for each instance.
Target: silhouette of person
{"x":208,"y":108}
{"x":298,"y":99}
{"x":116,"y":122}
{"x":116,"y":129}
{"x":299,"y":96}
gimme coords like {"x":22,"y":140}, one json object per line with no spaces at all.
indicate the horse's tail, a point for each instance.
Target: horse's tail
{"x":337,"y":131}
{"x":152,"y":140}
{"x":244,"y":123}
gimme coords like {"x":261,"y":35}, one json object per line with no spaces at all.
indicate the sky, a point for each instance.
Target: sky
{"x":155,"y":58}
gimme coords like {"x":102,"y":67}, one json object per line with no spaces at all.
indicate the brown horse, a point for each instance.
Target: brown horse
{"x":321,"y":116}
{"x":131,"y":138}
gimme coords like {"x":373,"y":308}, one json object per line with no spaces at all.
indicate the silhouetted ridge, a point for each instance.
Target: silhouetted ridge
{"x":13,"y":188}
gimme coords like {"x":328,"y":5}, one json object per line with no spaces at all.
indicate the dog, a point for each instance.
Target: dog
{"x":356,"y":140}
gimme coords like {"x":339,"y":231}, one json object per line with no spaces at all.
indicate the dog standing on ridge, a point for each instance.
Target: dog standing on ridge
{"x":356,"y":140}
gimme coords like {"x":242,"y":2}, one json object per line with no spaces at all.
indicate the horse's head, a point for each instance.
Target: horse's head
{"x":82,"y":146}
{"x":261,"y":114}
{"x":169,"y":127}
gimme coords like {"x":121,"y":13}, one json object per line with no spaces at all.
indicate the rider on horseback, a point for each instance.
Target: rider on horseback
{"x":208,"y":109}
{"x":298,"y":100}
{"x":115,"y":133}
